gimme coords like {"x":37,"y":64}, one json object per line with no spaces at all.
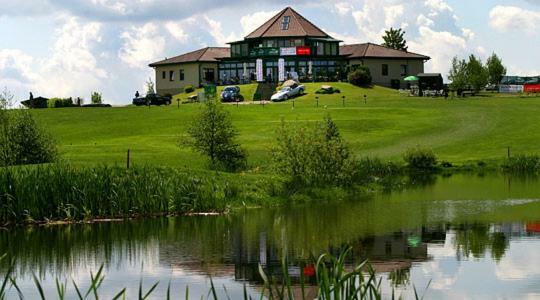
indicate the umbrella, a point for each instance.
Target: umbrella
{"x":411,"y":78}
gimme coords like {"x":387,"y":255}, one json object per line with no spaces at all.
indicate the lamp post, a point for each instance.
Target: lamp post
{"x":343,"y":100}
{"x":365,"y":99}
{"x":178,"y":101}
{"x":317,"y":98}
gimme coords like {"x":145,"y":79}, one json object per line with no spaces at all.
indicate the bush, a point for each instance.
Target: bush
{"x":328,"y":91}
{"x":213,"y":135}
{"x":24,"y":142}
{"x":189,"y":89}
{"x":522,"y":163}
{"x":420,"y":158}
{"x":361,"y":76}
{"x":368,"y":168}
{"x":60,"y":102}
{"x":312,"y":155}
{"x":96,"y":98}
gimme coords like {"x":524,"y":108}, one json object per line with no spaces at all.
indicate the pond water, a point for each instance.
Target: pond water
{"x":468,"y":236}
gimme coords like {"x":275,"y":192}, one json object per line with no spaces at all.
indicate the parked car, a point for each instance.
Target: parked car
{"x":231,"y":94}
{"x":152,"y":99}
{"x":288,"y":92}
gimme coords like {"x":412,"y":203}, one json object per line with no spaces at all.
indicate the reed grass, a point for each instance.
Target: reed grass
{"x":522,"y":163}
{"x":62,"y":192}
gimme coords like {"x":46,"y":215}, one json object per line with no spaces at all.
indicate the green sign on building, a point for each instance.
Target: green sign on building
{"x":261,"y":52}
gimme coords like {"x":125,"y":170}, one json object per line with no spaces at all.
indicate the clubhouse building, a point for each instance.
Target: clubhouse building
{"x":284,"y":47}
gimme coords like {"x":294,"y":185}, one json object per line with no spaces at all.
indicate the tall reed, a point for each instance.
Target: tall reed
{"x":63,"y":192}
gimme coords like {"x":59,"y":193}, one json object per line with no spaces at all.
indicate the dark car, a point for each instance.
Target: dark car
{"x":231,"y":94}
{"x":152,"y":99}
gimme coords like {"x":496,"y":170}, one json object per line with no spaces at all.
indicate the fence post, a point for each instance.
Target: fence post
{"x":317,"y":98}
{"x":365,"y":99}
{"x":127,"y":161}
{"x":343,"y":100}
{"x":508,"y":153}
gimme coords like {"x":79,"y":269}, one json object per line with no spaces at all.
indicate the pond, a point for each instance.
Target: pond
{"x":464,"y":235}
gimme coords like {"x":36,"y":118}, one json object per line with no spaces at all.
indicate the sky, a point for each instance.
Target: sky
{"x":63,"y":48}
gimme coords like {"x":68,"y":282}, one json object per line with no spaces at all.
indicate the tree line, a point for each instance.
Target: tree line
{"x":473,"y":74}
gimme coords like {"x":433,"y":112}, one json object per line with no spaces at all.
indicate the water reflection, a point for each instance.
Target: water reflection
{"x":451,"y":231}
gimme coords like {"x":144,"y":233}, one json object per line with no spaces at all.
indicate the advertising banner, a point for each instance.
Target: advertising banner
{"x":511,"y":88}
{"x":289,"y":51}
{"x":281,"y":69}
{"x":303,"y":51}
{"x":531,"y":88}
{"x":310,"y":68}
{"x":262,"y":52}
{"x":259,"y":70}
{"x":246,"y":75}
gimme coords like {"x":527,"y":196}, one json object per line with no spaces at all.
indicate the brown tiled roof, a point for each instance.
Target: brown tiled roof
{"x":208,"y":54}
{"x":298,"y":26}
{"x":370,"y":50}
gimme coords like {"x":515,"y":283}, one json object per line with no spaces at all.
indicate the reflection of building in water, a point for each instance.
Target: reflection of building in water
{"x":386,"y":253}
{"x":509,"y":229}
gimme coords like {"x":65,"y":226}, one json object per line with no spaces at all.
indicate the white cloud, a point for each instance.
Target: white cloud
{"x":442,"y":46}
{"x":468,"y":33}
{"x":393,"y":15}
{"x":216,"y":31}
{"x":343,"y":8}
{"x":422,"y":20}
{"x":511,"y":18}
{"x":252,"y":21}
{"x":438,"y":5}
{"x":142,"y":45}
{"x":177,"y":30}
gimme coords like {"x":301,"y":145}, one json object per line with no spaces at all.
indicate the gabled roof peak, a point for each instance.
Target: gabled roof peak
{"x":297,"y":26}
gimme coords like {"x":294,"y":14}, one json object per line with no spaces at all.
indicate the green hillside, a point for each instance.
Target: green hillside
{"x":458,"y":130}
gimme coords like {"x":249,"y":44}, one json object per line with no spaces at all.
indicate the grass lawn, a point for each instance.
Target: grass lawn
{"x":458,"y":130}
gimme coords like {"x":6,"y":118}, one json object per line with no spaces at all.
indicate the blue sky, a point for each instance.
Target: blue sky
{"x":73,"y":47}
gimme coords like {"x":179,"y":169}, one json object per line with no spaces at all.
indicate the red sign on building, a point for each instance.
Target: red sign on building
{"x":531,"y":88}
{"x":303,"y":51}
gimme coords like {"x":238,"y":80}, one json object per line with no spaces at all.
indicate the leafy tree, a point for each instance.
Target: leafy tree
{"x":150,"y":87}
{"x":6,"y":99}
{"x":394,"y":39}
{"x":495,"y":69}
{"x":477,"y":75}
{"x":96,"y":98}
{"x":360,"y":76}
{"x":213,"y":135}
{"x":458,"y":74}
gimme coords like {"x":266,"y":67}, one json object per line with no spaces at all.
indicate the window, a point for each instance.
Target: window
{"x":404,"y":70}
{"x":208,"y":75}
{"x":384,"y":70}
{"x":320,"y":48}
{"x":163,"y":74}
{"x":181,"y":75}
{"x":171,"y":75}
{"x":285,"y":23}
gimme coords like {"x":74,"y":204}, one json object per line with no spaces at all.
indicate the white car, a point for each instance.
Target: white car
{"x":288,"y":92}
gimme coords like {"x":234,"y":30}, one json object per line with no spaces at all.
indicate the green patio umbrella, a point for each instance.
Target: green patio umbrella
{"x":411,"y":78}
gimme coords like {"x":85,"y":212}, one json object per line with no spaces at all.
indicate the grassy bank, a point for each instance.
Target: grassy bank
{"x":459,"y":130}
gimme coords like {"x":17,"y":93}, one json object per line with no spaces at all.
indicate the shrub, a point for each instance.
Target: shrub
{"x":522,"y":163}
{"x":23,"y":141}
{"x":312,"y":155}
{"x":189,"y":89}
{"x":328,"y":91}
{"x":60,"y":102}
{"x":213,"y":135}
{"x":361,"y":76}
{"x":420,"y":158}
{"x":96,"y":98}
{"x":367,"y":168}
